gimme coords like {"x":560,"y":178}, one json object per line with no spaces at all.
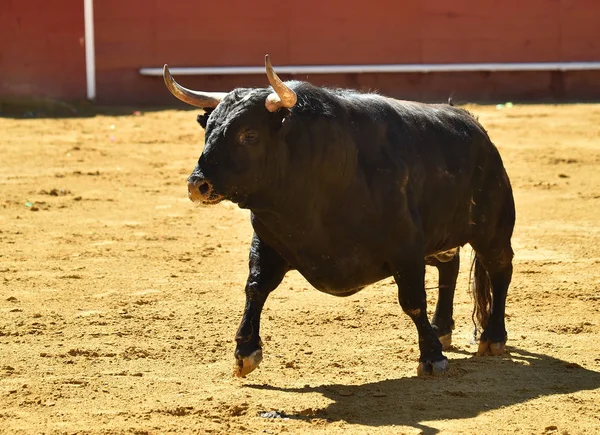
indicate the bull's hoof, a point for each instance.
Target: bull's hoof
{"x":245,"y":365}
{"x":428,"y":368}
{"x":446,"y":341}
{"x":495,"y":349}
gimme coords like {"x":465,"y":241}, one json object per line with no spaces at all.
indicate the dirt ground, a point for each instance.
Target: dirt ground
{"x":119,"y":298}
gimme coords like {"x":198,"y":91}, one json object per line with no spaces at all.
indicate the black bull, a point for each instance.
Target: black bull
{"x":351,"y":188}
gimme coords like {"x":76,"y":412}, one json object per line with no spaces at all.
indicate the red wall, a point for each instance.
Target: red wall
{"x":41,"y":49}
{"x":240,"y":32}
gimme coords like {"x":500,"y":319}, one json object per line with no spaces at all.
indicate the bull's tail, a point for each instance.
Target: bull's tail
{"x":482,"y":294}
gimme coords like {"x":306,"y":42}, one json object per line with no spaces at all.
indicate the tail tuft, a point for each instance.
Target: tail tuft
{"x":482,"y":294}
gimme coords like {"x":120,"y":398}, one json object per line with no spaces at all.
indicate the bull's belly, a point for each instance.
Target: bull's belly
{"x":342,"y":276}
{"x":346,"y":260}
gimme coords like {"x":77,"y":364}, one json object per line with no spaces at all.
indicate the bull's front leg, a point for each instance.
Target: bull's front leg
{"x":410,"y":278}
{"x":267,"y":270}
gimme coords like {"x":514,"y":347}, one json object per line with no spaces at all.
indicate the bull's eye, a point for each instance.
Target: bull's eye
{"x":248,"y":137}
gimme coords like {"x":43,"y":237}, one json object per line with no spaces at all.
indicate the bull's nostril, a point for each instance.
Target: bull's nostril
{"x":204,"y":188}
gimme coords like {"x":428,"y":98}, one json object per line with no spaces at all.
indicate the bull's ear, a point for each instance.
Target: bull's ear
{"x":202,"y":118}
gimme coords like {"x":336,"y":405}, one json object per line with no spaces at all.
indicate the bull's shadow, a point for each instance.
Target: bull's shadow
{"x":472,"y":387}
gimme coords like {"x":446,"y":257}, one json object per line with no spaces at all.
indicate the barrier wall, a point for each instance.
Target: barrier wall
{"x":41,"y":48}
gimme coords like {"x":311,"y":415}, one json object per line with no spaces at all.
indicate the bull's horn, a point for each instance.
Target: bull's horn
{"x":200,"y":99}
{"x":283,"y":96}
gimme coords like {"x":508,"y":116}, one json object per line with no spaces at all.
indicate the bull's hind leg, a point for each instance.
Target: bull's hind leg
{"x":267,"y":270}
{"x":410,"y":278}
{"x":443,"y":322}
{"x":493,"y":220}
{"x":493,"y":269}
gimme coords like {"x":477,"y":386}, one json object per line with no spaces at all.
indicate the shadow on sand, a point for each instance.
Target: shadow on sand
{"x":472,"y":386}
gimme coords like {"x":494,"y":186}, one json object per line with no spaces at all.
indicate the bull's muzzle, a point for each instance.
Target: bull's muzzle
{"x":201,"y":190}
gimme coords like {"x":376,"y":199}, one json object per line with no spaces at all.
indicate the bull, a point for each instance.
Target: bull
{"x":349,"y":188}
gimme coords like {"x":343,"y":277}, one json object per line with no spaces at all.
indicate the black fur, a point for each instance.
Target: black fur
{"x":350,"y":188}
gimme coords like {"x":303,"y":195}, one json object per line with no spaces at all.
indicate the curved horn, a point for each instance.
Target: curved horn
{"x":283,"y":96}
{"x":200,"y":99}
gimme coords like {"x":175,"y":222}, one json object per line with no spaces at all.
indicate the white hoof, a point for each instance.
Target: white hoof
{"x":248,"y":364}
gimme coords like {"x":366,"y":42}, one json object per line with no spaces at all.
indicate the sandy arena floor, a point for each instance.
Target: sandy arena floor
{"x":119,"y":298}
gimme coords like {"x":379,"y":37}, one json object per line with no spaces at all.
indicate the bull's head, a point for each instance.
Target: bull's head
{"x":242,"y":129}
